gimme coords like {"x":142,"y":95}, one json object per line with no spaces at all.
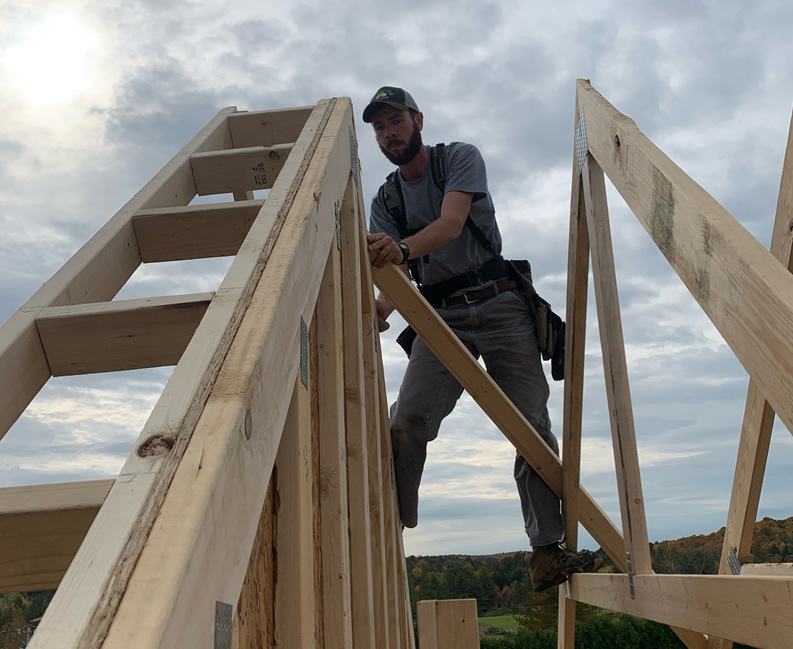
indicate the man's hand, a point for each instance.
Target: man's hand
{"x":383,"y":250}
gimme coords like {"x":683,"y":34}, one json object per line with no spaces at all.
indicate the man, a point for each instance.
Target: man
{"x":466,"y":280}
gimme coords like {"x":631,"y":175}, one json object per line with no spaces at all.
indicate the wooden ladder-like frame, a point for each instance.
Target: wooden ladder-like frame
{"x":257,"y":507}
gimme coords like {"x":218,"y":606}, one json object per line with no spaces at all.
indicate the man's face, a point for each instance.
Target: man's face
{"x":398,"y":134}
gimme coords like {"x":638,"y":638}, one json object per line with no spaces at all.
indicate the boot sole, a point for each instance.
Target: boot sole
{"x":563,"y":575}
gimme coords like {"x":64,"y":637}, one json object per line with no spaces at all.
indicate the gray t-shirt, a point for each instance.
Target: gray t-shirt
{"x":465,"y":172}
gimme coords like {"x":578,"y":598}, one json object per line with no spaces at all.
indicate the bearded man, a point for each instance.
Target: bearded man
{"x":452,"y":242}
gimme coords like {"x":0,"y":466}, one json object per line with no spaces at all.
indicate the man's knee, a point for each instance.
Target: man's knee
{"x":409,"y":443}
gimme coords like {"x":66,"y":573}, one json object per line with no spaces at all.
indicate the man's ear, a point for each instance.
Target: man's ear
{"x":419,"y":119}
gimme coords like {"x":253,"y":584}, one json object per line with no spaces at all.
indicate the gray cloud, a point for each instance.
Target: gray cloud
{"x":706,"y":81}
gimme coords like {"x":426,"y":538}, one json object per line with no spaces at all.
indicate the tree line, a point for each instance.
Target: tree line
{"x":501,"y":585}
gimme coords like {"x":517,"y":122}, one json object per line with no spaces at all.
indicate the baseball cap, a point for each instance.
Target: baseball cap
{"x":389,"y":96}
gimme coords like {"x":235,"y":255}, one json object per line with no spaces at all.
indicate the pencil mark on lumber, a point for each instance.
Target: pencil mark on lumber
{"x":662,"y":216}
{"x":702,"y":279}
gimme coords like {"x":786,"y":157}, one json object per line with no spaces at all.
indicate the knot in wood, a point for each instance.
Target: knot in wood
{"x":156,"y":445}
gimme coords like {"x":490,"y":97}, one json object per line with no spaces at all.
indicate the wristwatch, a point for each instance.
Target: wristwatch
{"x":405,"y":251}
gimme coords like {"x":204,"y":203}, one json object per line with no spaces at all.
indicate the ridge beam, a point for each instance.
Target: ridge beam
{"x":238,"y":170}
{"x":194,"y":231}
{"x":122,"y":335}
{"x":42,"y":527}
{"x":267,"y":127}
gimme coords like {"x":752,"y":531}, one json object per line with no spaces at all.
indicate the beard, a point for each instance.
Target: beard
{"x":409,"y":153}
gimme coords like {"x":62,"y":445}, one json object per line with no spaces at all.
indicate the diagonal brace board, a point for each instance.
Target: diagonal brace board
{"x":479,"y":384}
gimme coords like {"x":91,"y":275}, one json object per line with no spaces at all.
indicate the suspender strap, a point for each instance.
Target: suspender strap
{"x":394,"y":202}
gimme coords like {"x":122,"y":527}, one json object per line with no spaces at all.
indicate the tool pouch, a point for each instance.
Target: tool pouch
{"x":406,"y":338}
{"x":548,"y":326}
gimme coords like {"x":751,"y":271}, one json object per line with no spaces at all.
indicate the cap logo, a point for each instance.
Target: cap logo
{"x":382,"y":94}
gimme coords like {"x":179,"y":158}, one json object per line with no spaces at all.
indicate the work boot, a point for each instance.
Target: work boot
{"x":551,"y":565}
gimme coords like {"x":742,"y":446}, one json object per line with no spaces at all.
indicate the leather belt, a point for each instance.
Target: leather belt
{"x":470,"y":297}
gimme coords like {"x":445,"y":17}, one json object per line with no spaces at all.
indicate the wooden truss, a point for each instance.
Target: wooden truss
{"x":748,"y":295}
{"x":257,"y":507}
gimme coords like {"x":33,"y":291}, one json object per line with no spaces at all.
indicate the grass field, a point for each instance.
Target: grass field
{"x":506,"y":622}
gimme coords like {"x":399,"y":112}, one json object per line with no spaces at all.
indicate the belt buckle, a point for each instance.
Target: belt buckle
{"x":468,"y":299}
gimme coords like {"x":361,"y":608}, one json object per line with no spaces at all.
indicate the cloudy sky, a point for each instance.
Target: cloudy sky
{"x":96,"y":96}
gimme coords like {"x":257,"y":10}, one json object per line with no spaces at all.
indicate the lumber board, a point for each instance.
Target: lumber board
{"x":757,"y":611}
{"x":41,"y":527}
{"x":254,"y":618}
{"x":95,"y":273}
{"x":23,"y":366}
{"x":316,"y":516}
{"x":337,"y":622}
{"x":405,"y":609}
{"x":380,"y":574}
{"x":123,"y":335}
{"x":448,"y":624}
{"x":367,"y":605}
{"x":378,"y":408}
{"x":758,"y":419}
{"x":197,"y":550}
{"x":464,"y":367}
{"x":615,"y":368}
{"x":351,"y":218}
{"x":767,"y":569}
{"x":741,"y":287}
{"x":294,"y":593}
{"x":267,"y":127}
{"x":85,"y":605}
{"x":573,"y":399}
{"x":238,"y":170}
{"x":194,"y":231}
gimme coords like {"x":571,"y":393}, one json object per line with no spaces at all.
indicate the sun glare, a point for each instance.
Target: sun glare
{"x":51,"y":64}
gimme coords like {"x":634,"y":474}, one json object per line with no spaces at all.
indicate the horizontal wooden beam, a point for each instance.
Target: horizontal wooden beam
{"x":767,"y":569}
{"x":741,"y":286}
{"x":267,"y":127}
{"x":757,"y":611}
{"x":238,"y":170}
{"x":484,"y":390}
{"x":123,"y":335}
{"x":41,"y":527}
{"x":194,"y":231}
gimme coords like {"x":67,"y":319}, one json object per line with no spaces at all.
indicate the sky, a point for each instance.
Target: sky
{"x":96,"y":97}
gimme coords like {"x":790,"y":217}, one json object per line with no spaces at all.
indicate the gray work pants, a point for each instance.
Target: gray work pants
{"x":499,"y":329}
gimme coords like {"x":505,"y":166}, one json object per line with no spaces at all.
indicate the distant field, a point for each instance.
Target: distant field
{"x":506,"y":622}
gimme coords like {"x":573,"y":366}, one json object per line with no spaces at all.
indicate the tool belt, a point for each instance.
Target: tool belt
{"x":549,"y":327}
